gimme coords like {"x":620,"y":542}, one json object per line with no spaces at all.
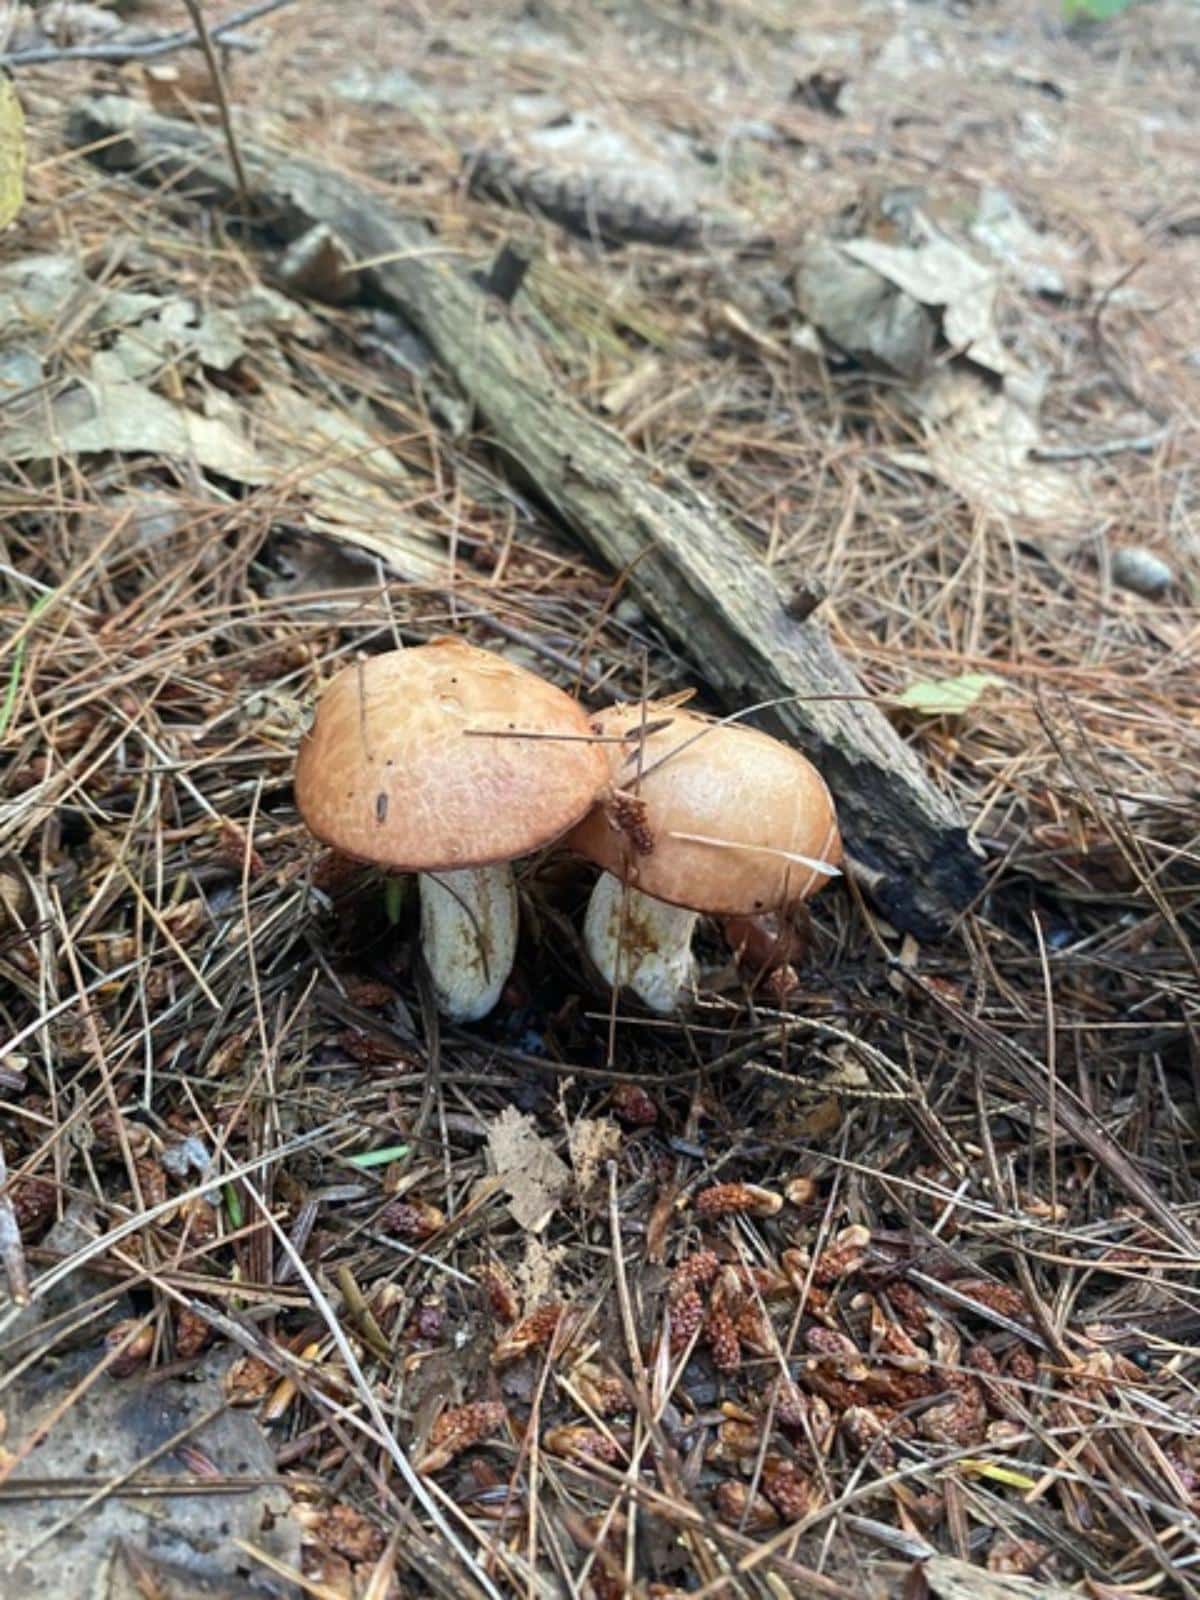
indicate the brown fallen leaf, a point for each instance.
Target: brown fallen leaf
{"x":529,"y":1168}
{"x":592,"y":1142}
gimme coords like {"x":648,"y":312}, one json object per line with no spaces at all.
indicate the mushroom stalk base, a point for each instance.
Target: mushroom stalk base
{"x":469,"y":937}
{"x":640,"y":943}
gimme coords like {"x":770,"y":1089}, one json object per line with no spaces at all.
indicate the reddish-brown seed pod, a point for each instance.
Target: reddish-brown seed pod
{"x":737,"y":1199}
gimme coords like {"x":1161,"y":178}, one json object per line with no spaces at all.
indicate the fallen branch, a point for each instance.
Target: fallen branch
{"x":139,"y":49}
{"x":685,"y":561}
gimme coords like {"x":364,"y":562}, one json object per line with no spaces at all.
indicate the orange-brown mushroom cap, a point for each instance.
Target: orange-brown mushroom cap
{"x":396,"y":769}
{"x":763,"y":801}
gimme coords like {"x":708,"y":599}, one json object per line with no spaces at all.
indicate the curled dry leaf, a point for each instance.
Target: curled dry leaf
{"x":581,"y":1444}
{"x":457,"y":1429}
{"x":960,"y":1421}
{"x":602,"y":1392}
{"x":736,"y":1445}
{"x":809,"y":1413}
{"x":738,"y":1199}
{"x":739,"y":1508}
{"x":1017,"y":1558}
{"x":800,"y":1191}
{"x":136,"y":1352}
{"x":501,"y":1291}
{"x":838,"y":1260}
{"x":763,"y":1282}
{"x":754,"y":1329}
{"x":529,"y":1167}
{"x":889,"y":1339}
{"x":870,"y":1429}
{"x":248,"y":1381}
{"x":837,"y":1351}
{"x":199,"y":1219}
{"x":192,"y":1333}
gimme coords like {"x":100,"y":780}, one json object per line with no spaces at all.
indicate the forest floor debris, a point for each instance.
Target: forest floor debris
{"x":891,"y":1288}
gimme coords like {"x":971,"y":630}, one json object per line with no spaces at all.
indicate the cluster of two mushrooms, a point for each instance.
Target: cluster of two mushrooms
{"x":450,"y":762}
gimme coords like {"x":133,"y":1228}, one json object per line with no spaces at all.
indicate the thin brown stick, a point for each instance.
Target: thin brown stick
{"x":139,"y":50}
{"x":218,"y":83}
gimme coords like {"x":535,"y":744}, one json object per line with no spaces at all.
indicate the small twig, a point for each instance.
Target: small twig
{"x":822,"y":867}
{"x":218,"y":80}
{"x":143,"y":50}
{"x":12,"y":1255}
{"x":1111,"y":447}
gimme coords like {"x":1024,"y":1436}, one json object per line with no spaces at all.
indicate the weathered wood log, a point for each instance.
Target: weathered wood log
{"x":686,"y":562}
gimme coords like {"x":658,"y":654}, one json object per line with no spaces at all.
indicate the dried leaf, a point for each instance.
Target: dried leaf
{"x":998,"y":1474}
{"x":592,"y":1141}
{"x":12,"y":153}
{"x":940,"y":273}
{"x":860,"y":312}
{"x":952,"y":1579}
{"x":534,"y":1176}
{"x":978,"y":442}
{"x":947,"y":697}
{"x":1041,"y":263}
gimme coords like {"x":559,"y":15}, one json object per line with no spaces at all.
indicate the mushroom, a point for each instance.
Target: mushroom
{"x":702,"y":817}
{"x":397,"y":770}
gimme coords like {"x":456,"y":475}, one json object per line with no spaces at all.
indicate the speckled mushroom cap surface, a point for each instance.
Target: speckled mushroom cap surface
{"x":394,"y":769}
{"x":721,"y":781}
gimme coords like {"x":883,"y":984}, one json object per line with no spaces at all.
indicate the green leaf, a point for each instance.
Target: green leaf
{"x":394,"y":892}
{"x":233,"y":1205}
{"x":1093,"y":10}
{"x":947,"y":697}
{"x":18,"y":666}
{"x":998,"y":1474}
{"x":12,"y":153}
{"x":377,"y":1158}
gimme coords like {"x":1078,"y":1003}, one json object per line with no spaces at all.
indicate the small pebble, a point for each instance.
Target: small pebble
{"x":1139,"y":569}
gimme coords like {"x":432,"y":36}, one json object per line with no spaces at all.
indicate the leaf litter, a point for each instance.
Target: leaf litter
{"x":954,"y":1254}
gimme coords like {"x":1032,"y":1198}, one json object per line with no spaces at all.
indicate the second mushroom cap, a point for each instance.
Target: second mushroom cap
{"x":717,"y":818}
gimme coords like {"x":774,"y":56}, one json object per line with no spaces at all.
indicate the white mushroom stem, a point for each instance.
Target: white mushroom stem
{"x":640,"y":943}
{"x":469,"y":937}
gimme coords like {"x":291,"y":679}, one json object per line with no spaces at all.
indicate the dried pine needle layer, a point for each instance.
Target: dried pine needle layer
{"x":887,"y":1263}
